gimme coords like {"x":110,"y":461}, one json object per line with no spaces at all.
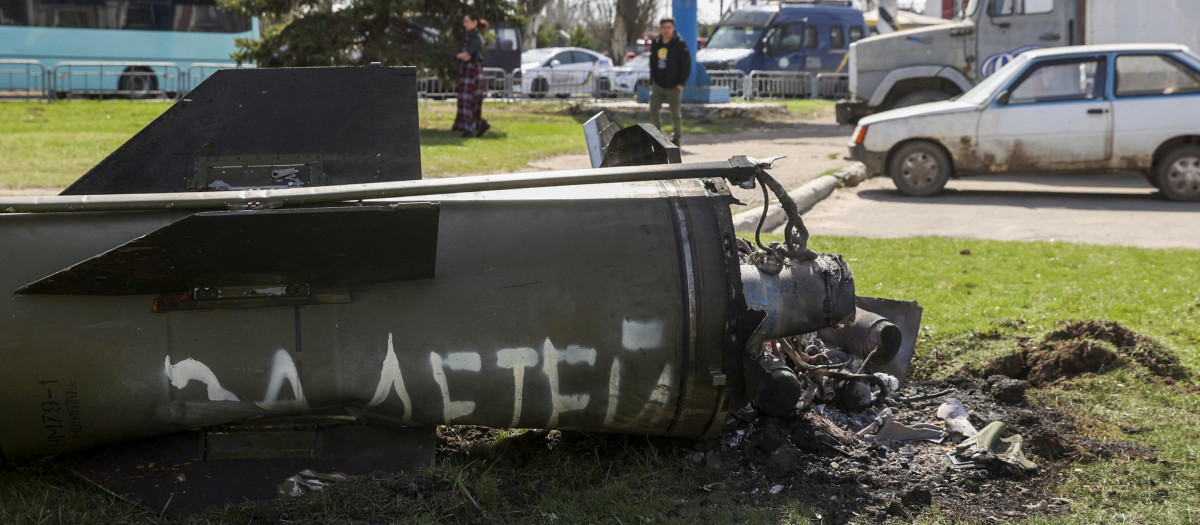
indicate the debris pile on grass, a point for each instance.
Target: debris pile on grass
{"x":1074,"y":348}
{"x":817,"y":458}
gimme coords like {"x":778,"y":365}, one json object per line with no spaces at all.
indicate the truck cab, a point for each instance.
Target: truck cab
{"x":912,"y":67}
{"x":788,"y":37}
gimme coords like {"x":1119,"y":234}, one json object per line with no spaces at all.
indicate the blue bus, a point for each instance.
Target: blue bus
{"x":127,"y":47}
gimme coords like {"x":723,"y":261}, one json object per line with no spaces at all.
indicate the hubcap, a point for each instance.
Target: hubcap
{"x":1184,"y":176}
{"x":920,"y":169}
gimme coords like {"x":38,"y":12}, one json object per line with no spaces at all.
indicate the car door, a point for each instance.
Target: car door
{"x":560,"y":71}
{"x":1156,"y":98}
{"x":785,"y":47}
{"x":587,"y":64}
{"x":1011,"y":27}
{"x":1054,"y":117}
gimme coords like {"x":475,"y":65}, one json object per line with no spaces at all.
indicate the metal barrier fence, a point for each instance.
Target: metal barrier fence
{"x":22,"y":79}
{"x":734,"y":79}
{"x":31,"y":79}
{"x":795,"y":84}
{"x":200,"y":71}
{"x":562,"y":83}
{"x":497,"y":83}
{"x":778,"y":84}
{"x":833,"y":85}
{"x":132,"y":79}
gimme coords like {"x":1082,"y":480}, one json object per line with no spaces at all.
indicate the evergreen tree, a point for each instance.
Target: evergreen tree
{"x":423,"y":33}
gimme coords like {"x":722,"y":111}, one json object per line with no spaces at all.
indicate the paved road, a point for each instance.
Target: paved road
{"x":1098,"y":209}
{"x":812,"y":148}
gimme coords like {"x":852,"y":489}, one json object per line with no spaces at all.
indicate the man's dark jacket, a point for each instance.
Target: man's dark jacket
{"x":670,"y":62}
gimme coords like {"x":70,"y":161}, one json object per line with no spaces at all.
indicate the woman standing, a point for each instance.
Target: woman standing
{"x":470,"y":79}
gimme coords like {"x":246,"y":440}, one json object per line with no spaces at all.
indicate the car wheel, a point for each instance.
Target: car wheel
{"x":137,"y":82}
{"x":921,"y":97}
{"x":920,"y":169}
{"x":1178,"y":174}
{"x":539,"y":87}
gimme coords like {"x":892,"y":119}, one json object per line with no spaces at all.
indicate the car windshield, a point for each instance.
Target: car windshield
{"x":983,"y":91}
{"x":734,"y":37}
{"x":536,"y":56}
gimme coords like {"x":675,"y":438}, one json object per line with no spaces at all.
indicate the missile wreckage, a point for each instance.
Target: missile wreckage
{"x":259,"y":283}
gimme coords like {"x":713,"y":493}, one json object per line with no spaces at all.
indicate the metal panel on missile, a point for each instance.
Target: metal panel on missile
{"x":272,"y":128}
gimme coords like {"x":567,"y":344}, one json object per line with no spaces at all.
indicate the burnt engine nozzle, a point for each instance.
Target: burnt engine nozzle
{"x":802,"y":297}
{"x":869,"y":333}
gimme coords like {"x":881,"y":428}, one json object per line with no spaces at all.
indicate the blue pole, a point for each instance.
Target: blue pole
{"x":687,"y":24}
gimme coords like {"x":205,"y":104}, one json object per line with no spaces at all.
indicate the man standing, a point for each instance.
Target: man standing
{"x":670,"y":66}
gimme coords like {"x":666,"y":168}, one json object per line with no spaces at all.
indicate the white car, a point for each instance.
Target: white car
{"x":565,"y":71}
{"x":635,"y":72}
{"x":1088,"y":109}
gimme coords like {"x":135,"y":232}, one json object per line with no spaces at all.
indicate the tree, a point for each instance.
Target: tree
{"x":631,"y":18}
{"x":532,"y":11}
{"x":423,"y":33}
{"x":581,"y":38}
{"x":617,"y":23}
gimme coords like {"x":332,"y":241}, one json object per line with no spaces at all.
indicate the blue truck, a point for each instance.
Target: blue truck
{"x":811,"y":37}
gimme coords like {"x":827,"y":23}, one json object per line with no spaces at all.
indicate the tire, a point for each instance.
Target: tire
{"x":138,"y":83}
{"x":920,"y":168}
{"x":603,"y":88}
{"x":539,"y":87}
{"x":1178,"y":174}
{"x":921,"y":97}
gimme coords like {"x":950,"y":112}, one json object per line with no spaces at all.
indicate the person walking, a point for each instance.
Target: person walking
{"x":670,"y":66}
{"x":471,"y":86}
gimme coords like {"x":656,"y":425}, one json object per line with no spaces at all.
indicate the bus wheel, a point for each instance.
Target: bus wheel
{"x":137,"y":82}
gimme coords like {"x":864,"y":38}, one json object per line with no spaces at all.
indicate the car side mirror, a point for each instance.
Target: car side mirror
{"x":1002,"y":99}
{"x":554,"y":63}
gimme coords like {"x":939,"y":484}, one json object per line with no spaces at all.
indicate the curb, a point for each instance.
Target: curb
{"x":806,"y":196}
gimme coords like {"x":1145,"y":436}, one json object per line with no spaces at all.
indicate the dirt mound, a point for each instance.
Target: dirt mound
{"x":1065,"y":359}
{"x":1080,"y":347}
{"x":1130,"y":344}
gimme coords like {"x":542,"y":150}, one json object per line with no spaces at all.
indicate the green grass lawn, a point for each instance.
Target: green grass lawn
{"x":51,"y":145}
{"x":976,"y":306}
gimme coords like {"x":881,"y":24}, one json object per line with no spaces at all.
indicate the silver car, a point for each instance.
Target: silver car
{"x":565,"y":71}
{"x":1087,"y":109}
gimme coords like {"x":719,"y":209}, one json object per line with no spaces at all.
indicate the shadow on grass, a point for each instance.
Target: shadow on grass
{"x":445,"y":137}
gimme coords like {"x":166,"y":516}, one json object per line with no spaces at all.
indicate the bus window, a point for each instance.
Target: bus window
{"x":810,"y":37}
{"x":146,"y":15}
{"x":201,"y":16}
{"x":12,"y":13}
{"x":505,"y":39}
{"x":837,"y":38}
{"x":856,"y":33}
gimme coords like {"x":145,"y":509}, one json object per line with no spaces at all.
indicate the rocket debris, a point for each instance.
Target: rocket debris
{"x":331,"y":318}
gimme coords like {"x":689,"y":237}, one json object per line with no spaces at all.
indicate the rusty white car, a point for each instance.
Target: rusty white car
{"x":1088,"y":109}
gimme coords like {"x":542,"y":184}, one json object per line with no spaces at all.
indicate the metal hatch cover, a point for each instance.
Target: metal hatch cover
{"x":339,"y":246}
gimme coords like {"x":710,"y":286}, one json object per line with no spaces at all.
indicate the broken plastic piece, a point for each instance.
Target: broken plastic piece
{"x":956,"y":417}
{"x":988,"y":443}
{"x":892,"y":431}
